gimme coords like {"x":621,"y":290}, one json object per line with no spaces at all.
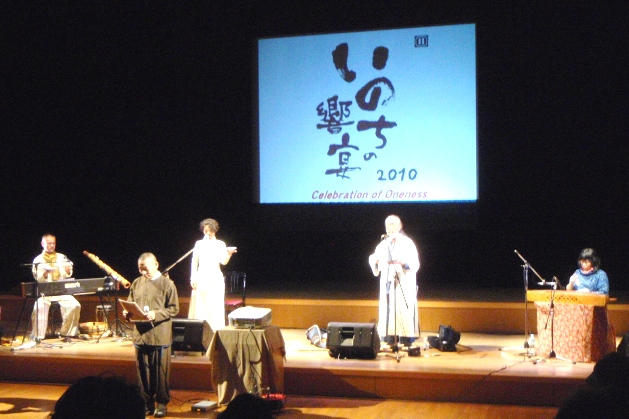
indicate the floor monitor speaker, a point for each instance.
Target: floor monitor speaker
{"x":191,"y":335}
{"x":353,"y":340}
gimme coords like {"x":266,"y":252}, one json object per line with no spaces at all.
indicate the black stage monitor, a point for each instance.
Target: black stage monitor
{"x":191,"y":335}
{"x":353,"y":340}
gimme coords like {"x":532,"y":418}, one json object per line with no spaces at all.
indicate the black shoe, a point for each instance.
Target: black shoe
{"x":149,"y":412}
{"x":160,"y":412}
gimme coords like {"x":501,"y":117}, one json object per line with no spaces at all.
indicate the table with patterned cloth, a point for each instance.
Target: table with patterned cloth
{"x":246,"y":361}
{"x":578,"y":332}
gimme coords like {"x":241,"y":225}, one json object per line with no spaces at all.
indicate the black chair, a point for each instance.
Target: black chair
{"x":235,"y":291}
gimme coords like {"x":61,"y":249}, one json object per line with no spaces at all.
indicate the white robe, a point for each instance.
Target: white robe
{"x":397,"y":312}
{"x":207,"y":301}
{"x":70,"y":307}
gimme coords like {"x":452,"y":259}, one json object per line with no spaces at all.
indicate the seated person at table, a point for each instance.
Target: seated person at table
{"x":589,"y":277}
{"x":47,"y":267}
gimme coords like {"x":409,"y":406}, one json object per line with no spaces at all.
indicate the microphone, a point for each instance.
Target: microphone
{"x":384,"y":237}
{"x":27,"y":345}
{"x":146,"y":311}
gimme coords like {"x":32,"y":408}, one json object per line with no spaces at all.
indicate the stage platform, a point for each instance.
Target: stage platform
{"x":491,"y":311}
{"x":490,"y":365}
{"x":488,"y":369}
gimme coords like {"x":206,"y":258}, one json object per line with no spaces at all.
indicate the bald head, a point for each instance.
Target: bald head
{"x":148,"y":265}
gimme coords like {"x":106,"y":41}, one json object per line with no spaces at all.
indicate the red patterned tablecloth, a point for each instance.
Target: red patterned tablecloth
{"x":580,"y":332}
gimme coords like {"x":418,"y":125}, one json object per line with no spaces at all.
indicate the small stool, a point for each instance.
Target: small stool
{"x":54,"y":319}
{"x":102,"y":313}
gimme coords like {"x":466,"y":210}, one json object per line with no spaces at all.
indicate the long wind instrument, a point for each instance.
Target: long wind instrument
{"x":115,"y":275}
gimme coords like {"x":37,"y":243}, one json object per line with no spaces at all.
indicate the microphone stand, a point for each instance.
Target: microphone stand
{"x":525,"y":272}
{"x":36,"y":308}
{"x":116,"y":322}
{"x":551,"y":318}
{"x":396,"y":284}
{"x":123,"y":335}
{"x":165,"y":272}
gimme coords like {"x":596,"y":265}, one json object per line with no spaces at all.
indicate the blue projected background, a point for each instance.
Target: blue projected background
{"x":336,"y":129}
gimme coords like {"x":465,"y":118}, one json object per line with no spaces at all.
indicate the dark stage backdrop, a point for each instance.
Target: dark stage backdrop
{"x":126,"y":124}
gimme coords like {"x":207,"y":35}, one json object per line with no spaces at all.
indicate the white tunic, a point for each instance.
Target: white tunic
{"x":70,"y":307}
{"x":397,"y":312}
{"x":207,"y":301}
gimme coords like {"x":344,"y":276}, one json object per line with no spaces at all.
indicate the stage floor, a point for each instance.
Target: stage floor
{"x":476,"y":353}
{"x":486,"y":368}
{"x":35,"y":401}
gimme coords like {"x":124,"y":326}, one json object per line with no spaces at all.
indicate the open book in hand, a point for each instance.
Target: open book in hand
{"x":134,"y":312}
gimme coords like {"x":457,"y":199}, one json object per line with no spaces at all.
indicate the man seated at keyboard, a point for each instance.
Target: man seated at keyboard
{"x":47,"y":267}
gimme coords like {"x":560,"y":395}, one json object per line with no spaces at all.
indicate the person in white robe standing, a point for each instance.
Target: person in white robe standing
{"x":396,"y":260}
{"x":207,"y":301}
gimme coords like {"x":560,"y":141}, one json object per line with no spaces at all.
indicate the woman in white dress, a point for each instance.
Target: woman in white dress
{"x":207,"y":301}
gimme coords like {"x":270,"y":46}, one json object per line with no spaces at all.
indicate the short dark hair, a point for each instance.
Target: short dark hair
{"x":591,"y":255}
{"x":210,"y":222}
{"x":100,"y":397}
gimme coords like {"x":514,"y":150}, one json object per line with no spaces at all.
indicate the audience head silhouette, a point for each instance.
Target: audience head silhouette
{"x":607,"y":395}
{"x":246,"y":406}
{"x":612,"y":370}
{"x":100,"y":398}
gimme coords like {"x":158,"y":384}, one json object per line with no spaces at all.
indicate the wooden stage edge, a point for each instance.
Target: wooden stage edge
{"x":301,"y":313}
{"x":486,"y":369}
{"x":490,"y":365}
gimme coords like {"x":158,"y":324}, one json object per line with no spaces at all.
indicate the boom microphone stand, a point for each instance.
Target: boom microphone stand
{"x":165,"y":272}
{"x":525,"y":271}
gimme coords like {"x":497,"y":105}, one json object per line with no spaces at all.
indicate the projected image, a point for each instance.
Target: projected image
{"x":368,"y":117}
